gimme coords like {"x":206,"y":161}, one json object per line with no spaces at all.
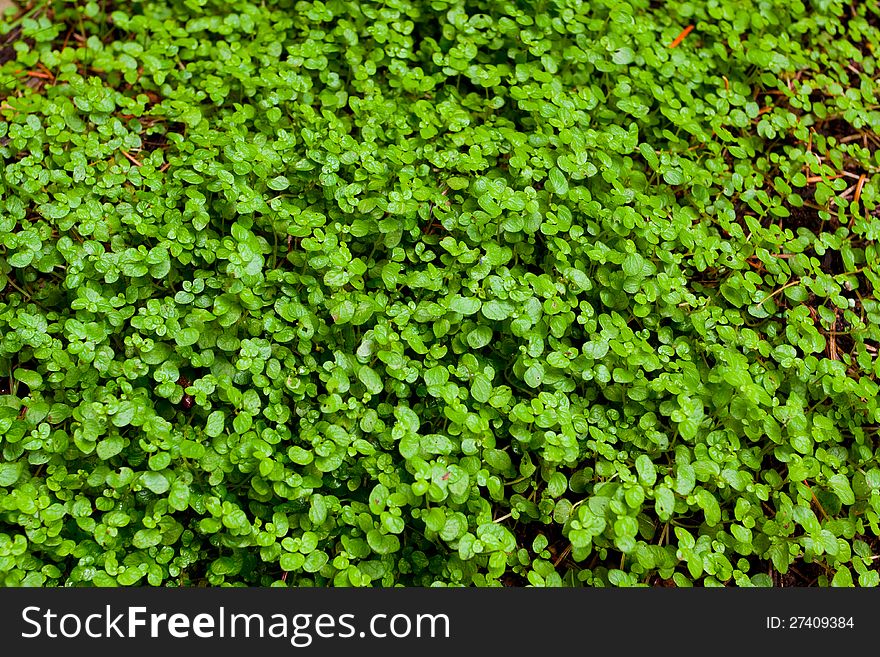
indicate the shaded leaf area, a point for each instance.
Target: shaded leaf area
{"x":439,"y":293}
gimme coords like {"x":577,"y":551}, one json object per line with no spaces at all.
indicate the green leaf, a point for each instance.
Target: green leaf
{"x":436,"y":376}
{"x":497,"y":310}
{"x":489,"y":205}
{"x":464,"y":305}
{"x":124,"y":415}
{"x":300,"y":456}
{"x":647,"y":471}
{"x":479,"y":337}
{"x":839,"y":483}
{"x":367,"y":375}
{"x":842,"y":578}
{"x":178,"y":496}
{"x":146,"y":538}
{"x":315,"y":561}
{"x":291,"y":562}
{"x":534,"y":375}
{"x":278,"y":183}
{"x":633,"y":264}
{"x":408,"y":419}
{"x":595,"y":350}
{"x":435,"y":443}
{"x":242,"y":423}
{"x":186,"y":337}
{"x":109,"y":447}
{"x":557,"y":184}
{"x":685,"y":479}
{"x":393,"y":524}
{"x":155,"y":481}
{"x":664,"y":502}
{"x":30,"y":378}
{"x":318,"y":510}
{"x":215,"y":424}
{"x":496,"y":537}
{"x":709,"y":504}
{"x":498,"y":460}
{"x":382,"y":543}
{"x":10,"y":472}
{"x":481,"y":388}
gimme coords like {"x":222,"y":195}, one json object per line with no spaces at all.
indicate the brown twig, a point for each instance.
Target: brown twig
{"x":816,"y":500}
{"x":773,"y":294}
{"x":849,"y":138}
{"x":131,"y":158}
{"x":562,"y":556}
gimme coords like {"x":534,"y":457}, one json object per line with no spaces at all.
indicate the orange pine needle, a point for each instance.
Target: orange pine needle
{"x":815,"y":179}
{"x":859,"y":186}
{"x":677,"y":40}
{"x":857,"y":196}
{"x":46,"y":70}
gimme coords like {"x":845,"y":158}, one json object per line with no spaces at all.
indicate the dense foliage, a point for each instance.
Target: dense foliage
{"x":435,"y":292}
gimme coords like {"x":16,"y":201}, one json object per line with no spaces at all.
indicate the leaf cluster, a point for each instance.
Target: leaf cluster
{"x":424,"y":293}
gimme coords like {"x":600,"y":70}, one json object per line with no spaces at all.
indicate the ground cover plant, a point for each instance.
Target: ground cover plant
{"x":435,"y":292}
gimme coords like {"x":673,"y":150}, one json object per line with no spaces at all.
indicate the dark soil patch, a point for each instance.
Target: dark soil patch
{"x":512,"y":579}
{"x":9,"y":386}
{"x":7,"y":50}
{"x":155,"y":141}
{"x":835,"y":127}
{"x":805,"y":216}
{"x":800,"y":574}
